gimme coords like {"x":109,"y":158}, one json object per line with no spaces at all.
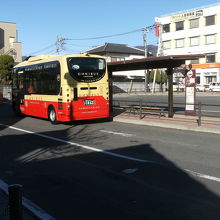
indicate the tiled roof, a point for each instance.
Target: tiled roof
{"x":116,"y":48}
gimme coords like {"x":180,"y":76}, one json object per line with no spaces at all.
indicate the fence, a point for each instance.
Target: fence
{"x":5,"y":91}
{"x":203,"y":112}
{"x":127,"y":87}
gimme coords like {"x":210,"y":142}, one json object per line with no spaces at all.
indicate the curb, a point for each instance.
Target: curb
{"x":168,"y":125}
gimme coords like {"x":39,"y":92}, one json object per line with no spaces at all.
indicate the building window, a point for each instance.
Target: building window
{"x":179,"y":25}
{"x":166,"y":28}
{"x":197,"y":79}
{"x":115,"y":59}
{"x":11,"y":42}
{"x":209,"y":79}
{"x":166,"y":45}
{"x":179,"y":43}
{"x":194,"y":23}
{"x":194,"y":61}
{"x":194,"y":41}
{"x":210,"y":20}
{"x":210,"y":39}
{"x":210,"y":58}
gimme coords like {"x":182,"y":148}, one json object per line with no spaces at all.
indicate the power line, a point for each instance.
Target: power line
{"x":113,"y":35}
{"x":60,"y":42}
{"x":77,"y":45}
{"x":46,"y":48}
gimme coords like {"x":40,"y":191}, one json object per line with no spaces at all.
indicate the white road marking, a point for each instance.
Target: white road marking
{"x":79,"y":145}
{"x":117,"y":133}
{"x":162,"y":141}
{"x":36,"y":210}
{"x":204,"y":176}
{"x":4,"y":186}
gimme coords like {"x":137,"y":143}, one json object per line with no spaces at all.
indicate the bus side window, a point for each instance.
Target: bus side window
{"x":20,"y":78}
{"x":21,"y":86}
{"x":15,"y":80}
{"x":51,"y":80}
{"x":31,"y":89}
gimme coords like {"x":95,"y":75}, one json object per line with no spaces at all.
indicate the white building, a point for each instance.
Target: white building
{"x":195,"y":31}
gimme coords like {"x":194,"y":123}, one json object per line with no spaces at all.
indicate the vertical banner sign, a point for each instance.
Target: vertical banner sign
{"x":157,"y":27}
{"x":190,"y":92}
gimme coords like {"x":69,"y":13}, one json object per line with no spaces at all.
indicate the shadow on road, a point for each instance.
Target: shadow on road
{"x":71,"y":182}
{"x":7,"y":115}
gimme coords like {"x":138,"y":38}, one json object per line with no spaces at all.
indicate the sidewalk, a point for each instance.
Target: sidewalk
{"x":181,"y":122}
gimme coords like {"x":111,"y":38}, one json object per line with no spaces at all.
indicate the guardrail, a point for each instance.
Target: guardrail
{"x":5,"y":92}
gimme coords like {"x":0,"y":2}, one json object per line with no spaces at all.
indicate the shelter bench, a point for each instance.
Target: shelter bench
{"x":144,"y":110}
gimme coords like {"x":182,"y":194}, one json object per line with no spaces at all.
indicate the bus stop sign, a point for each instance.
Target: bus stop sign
{"x":190,"y":92}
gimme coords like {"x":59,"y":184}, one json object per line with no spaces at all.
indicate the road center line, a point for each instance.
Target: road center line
{"x":200,"y":175}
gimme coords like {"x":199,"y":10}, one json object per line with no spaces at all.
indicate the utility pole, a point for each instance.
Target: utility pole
{"x":145,"y":41}
{"x":60,"y":44}
{"x":160,"y":44}
{"x":146,"y":72}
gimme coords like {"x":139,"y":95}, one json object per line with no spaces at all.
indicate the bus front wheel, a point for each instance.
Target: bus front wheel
{"x":52,"y":115}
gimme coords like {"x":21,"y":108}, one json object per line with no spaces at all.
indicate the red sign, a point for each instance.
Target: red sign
{"x":157,"y":29}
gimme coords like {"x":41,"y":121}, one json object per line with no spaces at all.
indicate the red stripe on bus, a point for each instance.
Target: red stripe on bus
{"x":68,"y":111}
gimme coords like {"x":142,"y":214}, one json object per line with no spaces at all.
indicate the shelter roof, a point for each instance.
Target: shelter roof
{"x":170,"y":61}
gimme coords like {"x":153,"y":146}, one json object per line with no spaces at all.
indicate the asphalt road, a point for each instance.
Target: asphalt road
{"x":108,"y":170}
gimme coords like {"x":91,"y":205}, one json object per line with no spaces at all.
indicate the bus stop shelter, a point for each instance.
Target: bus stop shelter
{"x":161,"y":62}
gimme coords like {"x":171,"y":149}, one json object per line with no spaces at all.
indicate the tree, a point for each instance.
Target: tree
{"x":161,"y":77}
{"x":6,"y":65}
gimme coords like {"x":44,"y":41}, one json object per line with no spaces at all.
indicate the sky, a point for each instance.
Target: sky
{"x":40,"y":23}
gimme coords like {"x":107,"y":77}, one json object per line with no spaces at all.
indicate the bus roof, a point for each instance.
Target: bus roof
{"x":48,"y":58}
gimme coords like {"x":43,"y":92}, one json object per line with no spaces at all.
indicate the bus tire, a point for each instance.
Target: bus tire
{"x":16,"y":109}
{"x":109,"y":119}
{"x":52,"y":116}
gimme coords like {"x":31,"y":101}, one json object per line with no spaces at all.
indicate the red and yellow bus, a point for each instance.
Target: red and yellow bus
{"x":61,"y":87}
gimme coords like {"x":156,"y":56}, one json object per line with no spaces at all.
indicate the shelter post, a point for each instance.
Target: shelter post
{"x":170,"y":91}
{"x":110,"y":83}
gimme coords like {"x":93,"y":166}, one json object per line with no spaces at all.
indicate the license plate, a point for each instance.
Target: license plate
{"x":89,"y":102}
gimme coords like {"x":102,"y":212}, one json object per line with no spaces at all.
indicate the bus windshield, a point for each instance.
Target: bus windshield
{"x":86,"y":69}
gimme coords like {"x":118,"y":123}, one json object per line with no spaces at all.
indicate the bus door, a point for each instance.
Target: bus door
{"x":18,"y":92}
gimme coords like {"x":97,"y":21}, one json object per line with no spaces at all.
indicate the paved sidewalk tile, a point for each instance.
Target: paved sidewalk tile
{"x":180,"y":122}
